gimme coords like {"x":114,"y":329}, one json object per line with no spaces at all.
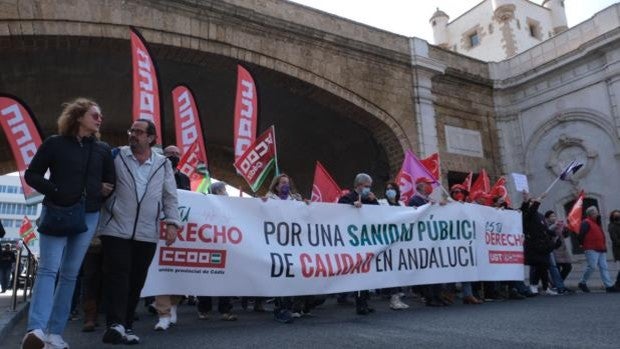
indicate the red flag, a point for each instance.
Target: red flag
{"x":23,"y":137}
{"x":482,"y":183}
{"x":411,"y":170}
{"x":324,"y":188}
{"x":256,"y":162}
{"x":576,"y":214}
{"x":145,"y":84}
{"x":189,"y":137}
{"x":499,"y":189}
{"x":26,"y":231}
{"x":467,"y":182}
{"x":193,"y":165}
{"x":246,"y":109}
{"x":432,"y":164}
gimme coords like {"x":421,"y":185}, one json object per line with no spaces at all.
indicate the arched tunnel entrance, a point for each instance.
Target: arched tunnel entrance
{"x":311,"y":123}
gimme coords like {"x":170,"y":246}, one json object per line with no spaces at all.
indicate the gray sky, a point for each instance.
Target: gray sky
{"x":411,"y":17}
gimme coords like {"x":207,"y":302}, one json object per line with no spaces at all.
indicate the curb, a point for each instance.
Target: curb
{"x":8,"y":318}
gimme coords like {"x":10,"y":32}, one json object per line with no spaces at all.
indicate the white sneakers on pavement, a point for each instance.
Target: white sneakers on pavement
{"x":396,"y":303}
{"x":534,"y":289}
{"x":163,"y":324}
{"x":55,"y":341}
{"x":34,"y":339}
{"x":131,"y":338}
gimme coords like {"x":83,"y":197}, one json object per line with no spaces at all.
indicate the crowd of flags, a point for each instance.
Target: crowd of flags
{"x":255,"y":157}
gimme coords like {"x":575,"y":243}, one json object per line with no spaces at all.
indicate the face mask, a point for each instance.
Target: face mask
{"x":459,"y":197}
{"x":284,"y":190}
{"x":390,"y":194}
{"x":365,"y":192}
{"x":174,"y":160}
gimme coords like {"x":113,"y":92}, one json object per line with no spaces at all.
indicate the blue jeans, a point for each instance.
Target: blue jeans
{"x":556,"y":278}
{"x":49,"y":307}
{"x":595,"y":258}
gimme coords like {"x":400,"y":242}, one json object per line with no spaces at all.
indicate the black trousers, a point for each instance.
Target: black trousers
{"x":565,"y":269}
{"x":539,"y":272}
{"x":125,"y":265}
{"x":205,"y":304}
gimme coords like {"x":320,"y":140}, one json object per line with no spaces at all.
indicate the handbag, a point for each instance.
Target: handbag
{"x":66,"y":220}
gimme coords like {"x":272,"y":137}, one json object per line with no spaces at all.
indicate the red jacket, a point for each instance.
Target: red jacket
{"x":593,"y":236}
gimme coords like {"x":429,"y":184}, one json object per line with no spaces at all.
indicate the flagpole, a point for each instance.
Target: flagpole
{"x":275,"y":148}
{"x":552,"y":184}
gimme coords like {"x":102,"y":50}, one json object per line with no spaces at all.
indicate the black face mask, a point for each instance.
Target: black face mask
{"x":174,"y":160}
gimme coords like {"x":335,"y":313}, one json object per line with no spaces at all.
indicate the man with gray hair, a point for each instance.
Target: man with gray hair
{"x":360,"y":195}
{"x":592,"y":240}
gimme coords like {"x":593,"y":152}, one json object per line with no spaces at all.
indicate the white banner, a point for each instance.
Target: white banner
{"x":247,"y":247}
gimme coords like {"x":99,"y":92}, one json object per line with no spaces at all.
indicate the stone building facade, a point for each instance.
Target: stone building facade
{"x":495,"y":30}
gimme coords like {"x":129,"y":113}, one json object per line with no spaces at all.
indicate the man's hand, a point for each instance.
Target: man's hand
{"x":171,"y":234}
{"x":371,"y":196}
{"x":106,"y":188}
{"x":357,"y":203}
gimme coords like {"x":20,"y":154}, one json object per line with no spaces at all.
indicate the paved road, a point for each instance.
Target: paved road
{"x":575,"y":321}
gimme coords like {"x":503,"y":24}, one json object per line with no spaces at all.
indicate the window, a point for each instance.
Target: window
{"x":533,"y":30}
{"x":474,"y":40}
{"x":18,"y":223}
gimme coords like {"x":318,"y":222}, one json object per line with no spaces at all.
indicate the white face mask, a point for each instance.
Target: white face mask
{"x":390,"y":194}
{"x":365,"y":192}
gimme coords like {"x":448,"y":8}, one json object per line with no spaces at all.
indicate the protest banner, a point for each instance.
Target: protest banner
{"x":247,"y":247}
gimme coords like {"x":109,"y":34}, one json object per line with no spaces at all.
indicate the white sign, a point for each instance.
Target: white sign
{"x":521,"y":183}
{"x":464,"y":141}
{"x":247,"y":247}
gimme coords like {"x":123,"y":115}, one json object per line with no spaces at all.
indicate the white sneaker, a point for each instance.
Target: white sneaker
{"x":551,"y":292}
{"x":55,"y":341}
{"x":163,"y":324}
{"x":396,"y":303}
{"x":34,"y":339}
{"x":115,"y":334}
{"x":131,"y":338}
{"x":296,"y":315}
{"x":534,"y":289}
{"x":173,"y":315}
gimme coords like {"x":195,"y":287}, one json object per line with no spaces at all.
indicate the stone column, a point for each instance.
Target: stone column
{"x":423,"y":68}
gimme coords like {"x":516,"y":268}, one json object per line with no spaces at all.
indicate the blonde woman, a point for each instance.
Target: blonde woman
{"x":78,"y":163}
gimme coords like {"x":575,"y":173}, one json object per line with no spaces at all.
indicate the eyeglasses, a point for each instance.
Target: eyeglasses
{"x":97,"y":116}
{"x":136,"y":131}
{"x":457,"y":191}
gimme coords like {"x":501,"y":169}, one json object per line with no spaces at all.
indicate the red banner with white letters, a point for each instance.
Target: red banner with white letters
{"x":23,"y":137}
{"x":254,"y":165}
{"x":145,"y":84}
{"x":246,"y":111}
{"x":187,"y":121}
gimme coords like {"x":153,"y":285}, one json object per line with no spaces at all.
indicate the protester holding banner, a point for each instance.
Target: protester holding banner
{"x":130,"y":227}
{"x":432,"y":293}
{"x":593,"y":241}
{"x":224,"y":305}
{"x":281,"y":188}
{"x":361,"y":195}
{"x":459,"y":193}
{"x":166,"y":305}
{"x":81,"y":173}
{"x":392,"y":195}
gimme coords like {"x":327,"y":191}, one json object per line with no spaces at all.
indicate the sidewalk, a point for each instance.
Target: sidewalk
{"x":9,"y":318}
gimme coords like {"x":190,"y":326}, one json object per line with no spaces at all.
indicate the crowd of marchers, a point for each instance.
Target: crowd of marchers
{"x":124,"y":189}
